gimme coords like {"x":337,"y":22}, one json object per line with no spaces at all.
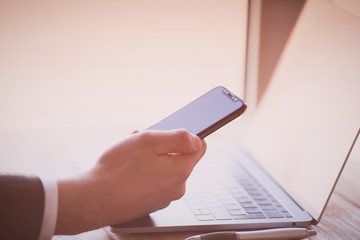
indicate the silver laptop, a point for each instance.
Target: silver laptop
{"x":284,"y":174}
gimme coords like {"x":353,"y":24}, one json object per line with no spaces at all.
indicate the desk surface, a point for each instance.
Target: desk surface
{"x":55,"y":153}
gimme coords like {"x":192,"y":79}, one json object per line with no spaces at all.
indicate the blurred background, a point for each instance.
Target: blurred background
{"x":123,"y":64}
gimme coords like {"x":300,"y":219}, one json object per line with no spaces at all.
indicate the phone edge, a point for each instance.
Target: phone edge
{"x":222,"y":122}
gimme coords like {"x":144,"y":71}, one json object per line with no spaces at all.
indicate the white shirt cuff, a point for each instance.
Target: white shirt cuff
{"x":50,"y":209}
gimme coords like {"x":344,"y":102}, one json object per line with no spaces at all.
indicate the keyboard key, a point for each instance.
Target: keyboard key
{"x":256,"y":194}
{"x":205,"y":211}
{"x":248,"y":204}
{"x":267,"y":206}
{"x":205,"y":217}
{"x":277,"y":204}
{"x":242,"y":216}
{"x":282,"y":209}
{"x":273,"y":214}
{"x":244,"y":181}
{"x":252,"y":210}
{"x":259,"y":197}
{"x":196,"y":211}
{"x":261,"y":201}
{"x":244,"y":199}
{"x":287,"y":214}
{"x":250,"y":188}
{"x":241,"y":195}
{"x":220,"y":213}
{"x":250,"y":216}
{"x":237,"y":212}
{"x":258,"y":215}
{"x":264,"y":191}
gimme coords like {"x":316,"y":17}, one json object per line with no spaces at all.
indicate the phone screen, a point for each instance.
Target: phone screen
{"x":205,"y":114}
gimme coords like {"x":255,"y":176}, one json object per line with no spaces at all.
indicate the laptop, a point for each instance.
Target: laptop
{"x":229,"y":190}
{"x":282,"y":176}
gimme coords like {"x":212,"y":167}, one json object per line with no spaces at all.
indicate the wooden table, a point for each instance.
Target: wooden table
{"x":56,"y":152}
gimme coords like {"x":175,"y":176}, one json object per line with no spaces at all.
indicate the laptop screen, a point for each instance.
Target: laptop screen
{"x":307,"y":120}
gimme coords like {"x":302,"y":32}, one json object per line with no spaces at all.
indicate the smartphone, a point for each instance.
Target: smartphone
{"x":206,"y":114}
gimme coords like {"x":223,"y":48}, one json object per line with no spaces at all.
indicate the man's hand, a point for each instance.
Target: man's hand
{"x":139,"y":175}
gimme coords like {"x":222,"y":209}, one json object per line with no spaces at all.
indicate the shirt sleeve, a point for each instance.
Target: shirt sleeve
{"x":50,"y":209}
{"x":21,"y":206}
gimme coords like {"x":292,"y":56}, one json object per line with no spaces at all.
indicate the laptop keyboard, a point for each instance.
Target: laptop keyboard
{"x":214,"y":196}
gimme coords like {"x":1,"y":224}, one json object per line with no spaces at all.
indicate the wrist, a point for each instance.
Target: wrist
{"x":79,"y":205}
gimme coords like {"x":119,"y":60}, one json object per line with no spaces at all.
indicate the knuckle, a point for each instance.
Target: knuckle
{"x":179,"y":193}
{"x":165,"y":205}
{"x":184,"y":136}
{"x":185,"y":174}
{"x":147,"y":137}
